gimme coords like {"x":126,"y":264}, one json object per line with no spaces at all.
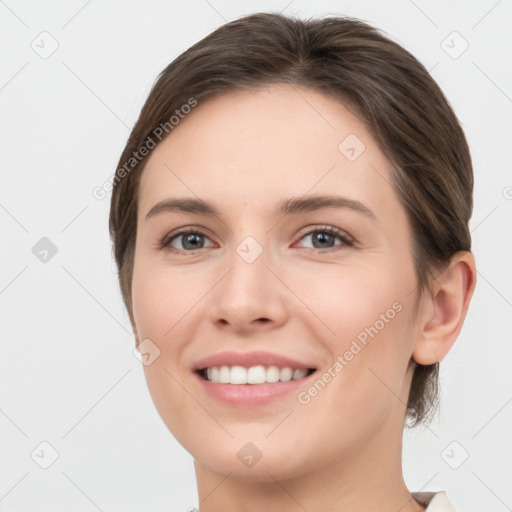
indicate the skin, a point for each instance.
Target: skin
{"x":245,"y":152}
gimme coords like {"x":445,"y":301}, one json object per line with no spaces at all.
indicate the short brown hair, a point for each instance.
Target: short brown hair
{"x":381,"y":82}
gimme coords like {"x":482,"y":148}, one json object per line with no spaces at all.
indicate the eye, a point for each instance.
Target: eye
{"x":190,"y":240}
{"x":324,"y":237}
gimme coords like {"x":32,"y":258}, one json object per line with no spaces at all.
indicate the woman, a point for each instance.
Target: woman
{"x":290,"y":224}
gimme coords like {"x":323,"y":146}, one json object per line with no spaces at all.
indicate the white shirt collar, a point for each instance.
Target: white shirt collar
{"x":434,"y":501}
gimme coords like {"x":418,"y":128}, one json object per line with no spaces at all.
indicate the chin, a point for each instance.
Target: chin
{"x":247,"y":464}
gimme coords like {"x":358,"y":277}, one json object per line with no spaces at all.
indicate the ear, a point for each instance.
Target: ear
{"x":442,"y":314}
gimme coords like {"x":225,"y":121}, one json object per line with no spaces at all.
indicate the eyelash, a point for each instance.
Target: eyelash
{"x":165,"y":242}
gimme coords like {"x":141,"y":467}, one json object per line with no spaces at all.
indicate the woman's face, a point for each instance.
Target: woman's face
{"x":257,"y":284}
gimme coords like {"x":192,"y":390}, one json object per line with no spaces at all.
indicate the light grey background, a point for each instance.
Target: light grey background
{"x":68,"y":374}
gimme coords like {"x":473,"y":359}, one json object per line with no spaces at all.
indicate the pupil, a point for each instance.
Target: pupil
{"x":322,"y":237}
{"x":190,"y":238}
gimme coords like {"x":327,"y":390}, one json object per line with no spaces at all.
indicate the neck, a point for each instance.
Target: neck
{"x":369,"y":479}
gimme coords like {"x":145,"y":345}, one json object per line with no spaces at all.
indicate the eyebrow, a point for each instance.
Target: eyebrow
{"x":291,"y":206}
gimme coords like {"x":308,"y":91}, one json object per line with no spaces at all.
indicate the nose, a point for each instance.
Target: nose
{"x":250,"y":296}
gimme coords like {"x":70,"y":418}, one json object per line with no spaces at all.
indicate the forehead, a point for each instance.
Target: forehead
{"x":274,"y":141}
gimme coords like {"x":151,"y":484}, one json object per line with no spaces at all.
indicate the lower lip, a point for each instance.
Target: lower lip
{"x":250,"y":394}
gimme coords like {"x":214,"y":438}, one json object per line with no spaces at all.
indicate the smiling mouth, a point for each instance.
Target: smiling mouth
{"x":259,"y":374}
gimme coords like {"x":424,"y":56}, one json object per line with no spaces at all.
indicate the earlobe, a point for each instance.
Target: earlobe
{"x":443,"y":313}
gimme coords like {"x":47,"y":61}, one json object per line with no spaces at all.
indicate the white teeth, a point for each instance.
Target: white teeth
{"x":299,"y":374}
{"x":224,"y":375}
{"x":238,"y":375}
{"x":285,"y":374}
{"x":253,"y":375}
{"x":272,"y":374}
{"x":256,"y":375}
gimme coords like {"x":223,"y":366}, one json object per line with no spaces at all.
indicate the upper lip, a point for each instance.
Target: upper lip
{"x":248,"y":359}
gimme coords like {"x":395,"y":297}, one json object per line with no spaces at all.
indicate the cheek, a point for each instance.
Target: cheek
{"x":163,"y":313}
{"x":348,"y":302}
{"x":163,"y":299}
{"x":362,"y":316}
{"x":365,"y":378}
{"x":163,"y":309}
